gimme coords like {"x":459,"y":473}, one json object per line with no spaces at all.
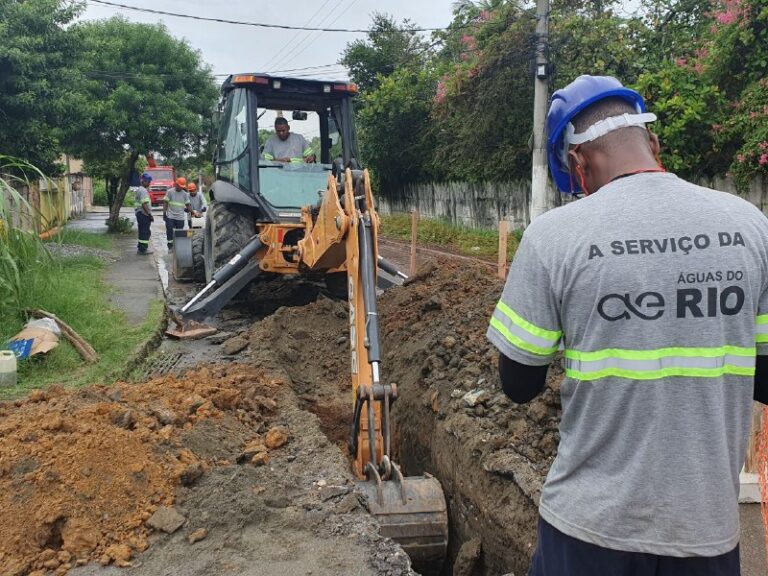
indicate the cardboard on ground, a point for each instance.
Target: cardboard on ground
{"x":42,"y":340}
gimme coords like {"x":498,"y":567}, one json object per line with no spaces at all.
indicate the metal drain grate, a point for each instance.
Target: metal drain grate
{"x":160,"y":365}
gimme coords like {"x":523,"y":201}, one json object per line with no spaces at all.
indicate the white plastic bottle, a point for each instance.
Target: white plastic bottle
{"x":7,"y":368}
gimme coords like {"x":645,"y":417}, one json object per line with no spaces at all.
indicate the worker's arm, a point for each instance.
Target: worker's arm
{"x":525,"y":326}
{"x":521,"y":382}
{"x":761,"y":380}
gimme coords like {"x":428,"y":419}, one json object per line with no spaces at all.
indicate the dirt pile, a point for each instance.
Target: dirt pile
{"x":453,"y":420}
{"x":85,"y":474}
{"x":216,"y":471}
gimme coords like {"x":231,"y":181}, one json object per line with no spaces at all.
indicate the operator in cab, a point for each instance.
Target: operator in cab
{"x":286,"y":146}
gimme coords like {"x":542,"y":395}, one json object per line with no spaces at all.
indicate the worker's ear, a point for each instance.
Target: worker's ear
{"x":577,"y":158}
{"x":653,"y":140}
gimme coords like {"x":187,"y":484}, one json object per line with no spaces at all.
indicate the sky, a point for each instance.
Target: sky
{"x":229,"y":48}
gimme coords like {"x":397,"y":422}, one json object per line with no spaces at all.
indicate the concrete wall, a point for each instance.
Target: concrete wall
{"x":48,"y":203}
{"x":482,"y":205}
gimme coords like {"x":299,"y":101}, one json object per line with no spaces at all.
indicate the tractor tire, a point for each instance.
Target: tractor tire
{"x":198,"y":256}
{"x":228,"y":227}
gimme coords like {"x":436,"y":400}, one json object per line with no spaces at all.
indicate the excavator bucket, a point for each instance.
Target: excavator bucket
{"x":411,"y":511}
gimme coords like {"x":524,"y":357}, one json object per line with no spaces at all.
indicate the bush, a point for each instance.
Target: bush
{"x":100,"y":193}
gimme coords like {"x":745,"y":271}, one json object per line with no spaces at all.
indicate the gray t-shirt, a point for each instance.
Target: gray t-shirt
{"x":140,"y":197}
{"x":657,"y":290}
{"x":177,"y":201}
{"x":294,"y":147}
{"x":196,"y":201}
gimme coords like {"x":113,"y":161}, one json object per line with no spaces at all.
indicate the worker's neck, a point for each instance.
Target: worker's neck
{"x":622,"y":165}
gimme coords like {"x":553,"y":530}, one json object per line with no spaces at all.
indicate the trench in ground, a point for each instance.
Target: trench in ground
{"x":451,"y":419}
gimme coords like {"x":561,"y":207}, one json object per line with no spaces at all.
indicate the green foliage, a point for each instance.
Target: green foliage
{"x":482,"y":107}
{"x":122,"y":226}
{"x":144,"y":90}
{"x":747,"y":128}
{"x":713,"y":99}
{"x":20,"y":251}
{"x":389,"y":46}
{"x":394,"y":126}
{"x":480,"y":243}
{"x":100,"y":193}
{"x":684,"y":106}
{"x":608,"y":45}
{"x":37,"y":82}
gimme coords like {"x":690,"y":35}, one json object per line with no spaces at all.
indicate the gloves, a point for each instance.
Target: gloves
{"x":165,"y":218}
{"x":151,"y":218}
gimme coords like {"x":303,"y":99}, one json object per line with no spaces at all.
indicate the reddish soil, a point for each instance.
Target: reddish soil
{"x":246,"y":471}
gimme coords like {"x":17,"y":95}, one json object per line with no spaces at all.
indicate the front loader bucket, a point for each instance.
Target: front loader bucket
{"x":411,"y":511}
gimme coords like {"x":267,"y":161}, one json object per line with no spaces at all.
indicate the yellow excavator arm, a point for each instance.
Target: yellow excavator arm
{"x":343,"y":235}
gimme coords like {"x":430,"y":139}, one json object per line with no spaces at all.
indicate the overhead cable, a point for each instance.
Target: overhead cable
{"x":247,"y":23}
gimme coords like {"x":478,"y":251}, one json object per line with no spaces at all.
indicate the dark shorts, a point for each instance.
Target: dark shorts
{"x":558,"y":554}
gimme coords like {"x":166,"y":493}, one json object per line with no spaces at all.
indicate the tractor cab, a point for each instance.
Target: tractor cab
{"x":319,"y":115}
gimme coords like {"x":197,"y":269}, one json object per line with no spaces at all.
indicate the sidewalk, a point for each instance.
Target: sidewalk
{"x":137,"y":280}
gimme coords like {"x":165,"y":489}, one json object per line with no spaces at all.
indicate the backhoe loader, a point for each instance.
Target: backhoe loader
{"x":317,"y":219}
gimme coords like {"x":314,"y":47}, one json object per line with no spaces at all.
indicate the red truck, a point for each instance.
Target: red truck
{"x":163,"y":177}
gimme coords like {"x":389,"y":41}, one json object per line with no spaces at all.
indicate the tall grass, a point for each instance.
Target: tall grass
{"x":20,"y":250}
{"x":71,"y":288}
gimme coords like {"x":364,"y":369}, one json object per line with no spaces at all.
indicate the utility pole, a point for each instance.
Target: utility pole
{"x":540,"y":199}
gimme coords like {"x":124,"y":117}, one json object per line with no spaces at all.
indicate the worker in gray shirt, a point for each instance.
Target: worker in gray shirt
{"x":657,"y":291}
{"x":196,"y":203}
{"x":286,"y":146}
{"x":143,"y":209}
{"x":175,"y":208}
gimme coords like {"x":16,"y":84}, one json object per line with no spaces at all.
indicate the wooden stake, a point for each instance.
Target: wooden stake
{"x":414,"y":236}
{"x":80,"y":344}
{"x":502,"y":249}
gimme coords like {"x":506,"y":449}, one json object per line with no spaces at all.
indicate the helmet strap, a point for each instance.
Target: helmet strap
{"x":579,"y":170}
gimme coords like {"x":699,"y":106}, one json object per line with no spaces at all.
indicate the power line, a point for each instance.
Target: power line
{"x":295,"y":35}
{"x":290,"y":56}
{"x":246,"y":23}
{"x":300,"y":52}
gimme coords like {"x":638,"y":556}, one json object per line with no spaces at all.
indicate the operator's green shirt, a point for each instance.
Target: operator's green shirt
{"x":294,"y":147}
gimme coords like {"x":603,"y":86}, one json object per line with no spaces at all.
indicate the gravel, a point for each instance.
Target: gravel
{"x":76,"y":251}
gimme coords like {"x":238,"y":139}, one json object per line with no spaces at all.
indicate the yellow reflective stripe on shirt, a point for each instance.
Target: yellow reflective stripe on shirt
{"x":297,"y":160}
{"x":697,"y":362}
{"x":268,"y":157}
{"x":553,"y":335}
{"x":177,"y":204}
{"x":662,"y":373}
{"x":761,"y":328}
{"x":625,"y":354}
{"x":308,"y":152}
{"x":520,"y":342}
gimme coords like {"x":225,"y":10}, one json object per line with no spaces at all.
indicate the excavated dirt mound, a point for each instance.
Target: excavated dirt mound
{"x":216,"y":472}
{"x":452,"y":419}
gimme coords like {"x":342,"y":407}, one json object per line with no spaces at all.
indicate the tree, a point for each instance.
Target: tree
{"x":387,"y":48}
{"x":37,"y":79}
{"x":482,"y":112}
{"x":143,"y":91}
{"x":396,"y":141}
